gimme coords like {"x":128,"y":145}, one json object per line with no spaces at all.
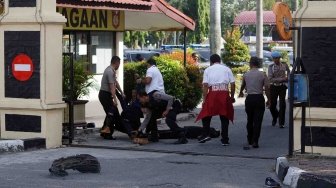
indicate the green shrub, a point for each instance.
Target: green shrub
{"x":284,"y":57}
{"x":174,"y":76}
{"x":194,"y":88}
{"x":129,"y":80}
{"x":235,"y":50}
{"x":83,"y":79}
{"x":240,"y":70}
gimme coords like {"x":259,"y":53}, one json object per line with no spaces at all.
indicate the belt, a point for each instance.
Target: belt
{"x":278,"y":84}
{"x":219,"y":87}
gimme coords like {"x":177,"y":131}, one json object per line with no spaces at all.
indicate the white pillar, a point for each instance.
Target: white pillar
{"x":260,"y":22}
{"x":215,"y":27}
{"x":120,"y":52}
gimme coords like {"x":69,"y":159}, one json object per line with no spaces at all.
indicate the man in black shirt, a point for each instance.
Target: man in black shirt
{"x":159,"y":104}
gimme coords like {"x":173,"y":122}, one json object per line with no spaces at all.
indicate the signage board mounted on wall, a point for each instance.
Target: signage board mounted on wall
{"x":93,"y":19}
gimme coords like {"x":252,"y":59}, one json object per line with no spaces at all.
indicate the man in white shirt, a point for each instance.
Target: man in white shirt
{"x":217,"y":98}
{"x":153,"y":80}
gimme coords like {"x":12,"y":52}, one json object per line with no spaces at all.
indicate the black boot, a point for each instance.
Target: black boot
{"x":182,"y":138}
{"x":153,"y":137}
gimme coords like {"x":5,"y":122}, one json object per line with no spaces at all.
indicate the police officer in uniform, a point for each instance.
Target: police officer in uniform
{"x":109,"y":94}
{"x":278,"y":76}
{"x":254,"y":81}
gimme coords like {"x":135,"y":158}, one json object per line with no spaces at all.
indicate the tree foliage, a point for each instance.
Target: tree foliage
{"x":235,"y":50}
{"x":199,"y":11}
{"x":135,"y":39}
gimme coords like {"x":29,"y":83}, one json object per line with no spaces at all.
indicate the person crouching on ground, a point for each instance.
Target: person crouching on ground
{"x":255,"y":82}
{"x":160,"y":105}
{"x":217,"y":99}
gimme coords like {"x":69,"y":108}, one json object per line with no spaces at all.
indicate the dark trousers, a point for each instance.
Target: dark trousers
{"x":254,"y":108}
{"x":224,"y":123}
{"x":112,"y":118}
{"x":278,"y":92}
{"x":170,"y":121}
{"x":152,"y":125}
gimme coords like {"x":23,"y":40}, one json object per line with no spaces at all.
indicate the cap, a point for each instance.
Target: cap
{"x":276,"y":54}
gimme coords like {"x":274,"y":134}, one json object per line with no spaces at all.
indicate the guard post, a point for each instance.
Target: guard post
{"x":31,"y":105}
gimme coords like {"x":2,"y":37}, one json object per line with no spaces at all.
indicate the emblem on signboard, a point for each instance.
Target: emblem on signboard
{"x":115,"y":19}
{"x":283,"y":19}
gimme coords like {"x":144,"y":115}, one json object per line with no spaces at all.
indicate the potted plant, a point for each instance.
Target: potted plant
{"x":83,"y":82}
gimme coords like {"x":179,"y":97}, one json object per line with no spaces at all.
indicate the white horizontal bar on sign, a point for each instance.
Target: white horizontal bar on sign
{"x":22,"y":67}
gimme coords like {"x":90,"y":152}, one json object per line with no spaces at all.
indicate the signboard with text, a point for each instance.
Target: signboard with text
{"x":93,"y":19}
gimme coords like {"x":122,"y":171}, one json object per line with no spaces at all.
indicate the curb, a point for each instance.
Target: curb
{"x":22,"y":145}
{"x":297,"y":178}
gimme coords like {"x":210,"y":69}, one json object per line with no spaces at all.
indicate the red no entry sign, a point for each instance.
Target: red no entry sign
{"x":22,"y":67}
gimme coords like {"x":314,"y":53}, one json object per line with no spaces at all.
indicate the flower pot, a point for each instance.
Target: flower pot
{"x":79,"y":113}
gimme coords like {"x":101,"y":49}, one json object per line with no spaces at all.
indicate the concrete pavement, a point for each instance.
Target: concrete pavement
{"x":134,"y":169}
{"x":273,"y":143}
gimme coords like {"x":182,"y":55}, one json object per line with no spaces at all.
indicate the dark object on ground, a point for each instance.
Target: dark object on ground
{"x":192,"y":132}
{"x":269,"y":182}
{"x":84,"y":163}
{"x":91,"y":125}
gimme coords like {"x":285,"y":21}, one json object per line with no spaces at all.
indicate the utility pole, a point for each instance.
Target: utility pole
{"x":260,"y":22}
{"x":215,"y":27}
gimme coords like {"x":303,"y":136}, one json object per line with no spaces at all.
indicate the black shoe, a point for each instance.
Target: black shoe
{"x":255,"y":145}
{"x":204,"y":139}
{"x":269,"y":182}
{"x":225,"y":143}
{"x":140,"y":134}
{"x":182,"y":140}
{"x":247,"y":147}
{"x":274,"y":121}
{"x":153,"y":138}
{"x":107,"y":136}
{"x":282,"y":126}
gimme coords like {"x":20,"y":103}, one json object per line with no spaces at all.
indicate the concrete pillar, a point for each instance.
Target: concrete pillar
{"x":260,"y":30}
{"x":317,"y":23}
{"x":120,"y":53}
{"x":215,"y":27}
{"x":31,"y":103}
